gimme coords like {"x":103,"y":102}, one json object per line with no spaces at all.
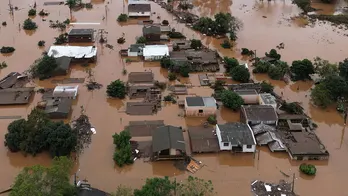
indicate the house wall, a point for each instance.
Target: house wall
{"x":250,"y":99}
{"x":221,"y":144}
{"x":132,"y":53}
{"x":263,"y":122}
{"x":135,"y":14}
{"x":153,"y":58}
{"x":80,"y":38}
{"x":252,"y":149}
{"x":195,"y":111}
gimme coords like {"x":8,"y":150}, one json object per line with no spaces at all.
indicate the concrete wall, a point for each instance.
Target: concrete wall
{"x":194,"y":111}
{"x":250,"y":99}
{"x":153,"y":58}
{"x":135,"y":14}
{"x":221,"y":144}
{"x":252,"y":149}
{"x":132,"y":53}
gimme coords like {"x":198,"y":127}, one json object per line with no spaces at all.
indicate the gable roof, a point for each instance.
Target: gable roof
{"x":63,"y":63}
{"x":151,"y":29}
{"x":136,"y":47}
{"x":81,"y":32}
{"x":65,"y":91}
{"x":140,"y":77}
{"x":236,"y":134}
{"x":139,"y":7}
{"x":167,"y":137}
{"x":62,"y":106}
{"x":259,"y":113}
{"x":201,"y":101}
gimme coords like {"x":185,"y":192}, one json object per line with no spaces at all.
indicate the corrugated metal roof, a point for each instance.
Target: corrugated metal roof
{"x":156,"y":50}
{"x":73,"y":51}
{"x":65,"y":91}
{"x":167,"y":137}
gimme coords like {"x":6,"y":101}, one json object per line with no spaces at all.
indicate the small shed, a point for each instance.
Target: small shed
{"x":200,"y":106}
{"x":250,"y":96}
{"x":81,"y":35}
{"x":258,"y":114}
{"x":155,"y":52}
{"x":168,"y":143}
{"x":66,"y":91}
{"x":267,"y":99}
{"x":136,"y":49}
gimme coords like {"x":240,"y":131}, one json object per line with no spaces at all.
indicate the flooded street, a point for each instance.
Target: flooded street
{"x":266,"y":24}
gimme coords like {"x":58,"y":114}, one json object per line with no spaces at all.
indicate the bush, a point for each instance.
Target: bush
{"x":123,"y":151}
{"x":176,"y":35}
{"x":3,"y":65}
{"x":196,"y":44}
{"x":292,"y":108}
{"x":32,"y":12}
{"x":7,"y":49}
{"x":141,"y":40}
{"x":308,"y":169}
{"x":121,"y":40}
{"x":246,"y":51}
{"x":41,"y":43}
{"x":184,"y":70}
{"x":233,"y":36}
{"x":165,"y":22}
{"x":230,"y":63}
{"x":89,"y":5}
{"x":166,"y":63}
{"x":226,"y":44}
{"x":266,"y":87}
{"x":43,"y":67}
{"x":43,"y":13}
{"x":273,"y":54}
{"x":61,"y":39}
{"x":172,"y":76}
{"x":4,"y":23}
{"x":116,"y":89}
{"x":122,"y":18}
{"x":29,"y":25}
{"x":212,"y":120}
{"x":231,"y":100}
{"x":240,"y":74}
{"x":168,"y":98}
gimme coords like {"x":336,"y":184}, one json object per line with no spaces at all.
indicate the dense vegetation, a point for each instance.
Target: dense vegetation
{"x":301,"y":69}
{"x":122,"y":18}
{"x":116,"y":89}
{"x":41,"y":43}
{"x":141,"y":40}
{"x":230,"y":63}
{"x":308,"y":169}
{"x":196,"y":44}
{"x":171,"y":76}
{"x":240,"y":73}
{"x":123,"y":151}
{"x":32,"y":12}
{"x":266,"y":87}
{"x":43,"y":67}
{"x":29,"y":25}
{"x":231,"y":100}
{"x":176,"y":35}
{"x":7,"y":49}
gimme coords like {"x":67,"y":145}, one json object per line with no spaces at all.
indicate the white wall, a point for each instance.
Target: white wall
{"x":132,"y":53}
{"x":221,"y":144}
{"x":134,"y":14}
{"x":252,"y":149}
{"x":150,"y":58}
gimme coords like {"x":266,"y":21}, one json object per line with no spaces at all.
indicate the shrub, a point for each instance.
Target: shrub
{"x":121,"y":40}
{"x":43,"y":13}
{"x":32,"y":12}
{"x":233,"y":36}
{"x":4,"y":23}
{"x":141,"y":40}
{"x":61,"y":39}
{"x":41,"y":43}
{"x":212,"y":120}
{"x":184,"y":70}
{"x":7,"y":49}
{"x":172,"y":76}
{"x":122,"y":18}
{"x":168,"y":98}
{"x":240,"y":74}
{"x":196,"y":44}
{"x":231,"y":100}
{"x":3,"y":65}
{"x":175,"y":34}
{"x":266,"y":87}
{"x":116,"y":89}
{"x":226,"y":44}
{"x":308,"y":169}
{"x":246,"y":51}
{"x":29,"y":25}
{"x":165,"y":22}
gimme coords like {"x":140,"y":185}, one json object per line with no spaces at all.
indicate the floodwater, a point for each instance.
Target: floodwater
{"x":266,"y":24}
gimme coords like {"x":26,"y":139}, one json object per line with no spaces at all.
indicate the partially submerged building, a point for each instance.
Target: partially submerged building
{"x":141,"y":108}
{"x":236,"y":137}
{"x":16,"y":96}
{"x":203,"y":139}
{"x":136,"y":50}
{"x":143,"y":128}
{"x":267,"y":99}
{"x":69,"y":92}
{"x":168,"y":143}
{"x":267,"y":135}
{"x":139,"y":8}
{"x":57,"y":108}
{"x":63,"y":64}
{"x":200,"y":106}
{"x":245,"y":86}
{"x":152,"y":33}
{"x":81,"y":35}
{"x":182,"y":44}
{"x":258,"y":114}
{"x":74,"y":52}
{"x":178,"y":89}
{"x":141,"y":85}
{"x":12,"y":80}
{"x":155,"y":52}
{"x":250,"y":96}
{"x":205,"y":60}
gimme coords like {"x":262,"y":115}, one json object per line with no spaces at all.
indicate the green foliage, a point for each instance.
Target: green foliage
{"x":219,"y":85}
{"x":231,"y":100}
{"x":278,"y":70}
{"x":61,"y":39}
{"x":141,"y":40}
{"x":246,"y":51}
{"x":89,"y":5}
{"x":42,"y":181}
{"x":184,"y":70}
{"x":194,"y":186}
{"x":266,"y":87}
{"x":321,"y":96}
{"x":41,"y":43}
{"x":71,"y":3}
{"x":123,"y":151}
{"x":123,"y":191}
{"x":324,"y":68}
{"x":156,"y":187}
{"x":230,"y":63}
{"x":32,"y":12}
{"x":240,"y":73}
{"x":343,"y":69}
{"x":273,"y":54}
{"x":212,"y":120}
{"x":168,"y":98}
{"x":67,"y":21}
{"x":7,"y":49}
{"x":305,"y":5}
{"x":196,"y":44}
{"x":262,"y":67}
{"x":3,"y":65}
{"x":327,"y":1}
{"x":29,"y":25}
{"x":165,"y":22}
{"x":308,"y":169}
{"x":116,"y":89}
{"x":292,"y":108}
{"x":176,"y":35}
{"x":43,"y":13}
{"x":301,"y":69}
{"x":226,"y":44}
{"x":166,"y":63}
{"x":171,"y":76}
{"x":38,"y":134}
{"x":233,"y":36}
{"x":122,"y":18}
{"x":43,"y":68}
{"x":336,"y":85}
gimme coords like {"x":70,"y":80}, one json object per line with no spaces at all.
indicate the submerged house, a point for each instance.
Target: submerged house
{"x":57,"y":108}
{"x":136,"y":50}
{"x":66,"y":92}
{"x":267,"y":99}
{"x":152,"y":33}
{"x":63,"y":66}
{"x":267,"y":135}
{"x":142,"y":84}
{"x":74,"y":52}
{"x":16,"y":96}
{"x":250,"y":96}
{"x":11,"y":80}
{"x":168,"y":143}
{"x":139,"y":9}
{"x":81,"y":35}
{"x":155,"y":52}
{"x":205,"y":60}
{"x":236,"y":137}
{"x":200,"y":106}
{"x":258,"y":114}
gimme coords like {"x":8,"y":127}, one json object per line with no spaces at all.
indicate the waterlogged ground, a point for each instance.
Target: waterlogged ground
{"x":265,"y":26}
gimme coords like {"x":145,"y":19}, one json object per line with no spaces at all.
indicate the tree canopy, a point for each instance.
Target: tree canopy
{"x":116,"y":89}
{"x":196,"y":44}
{"x":141,"y":40}
{"x":184,"y":70}
{"x":301,"y":69}
{"x":273,"y":54}
{"x":343,"y":68}
{"x":45,"y":181}
{"x":156,"y":187}
{"x":266,"y":87}
{"x":240,"y":73}
{"x":43,"y":67}
{"x":230,"y":63}
{"x":324,"y":68}
{"x":123,"y":151}
{"x":231,"y":100}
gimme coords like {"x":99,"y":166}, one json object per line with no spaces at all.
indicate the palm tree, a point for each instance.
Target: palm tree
{"x":71,"y":4}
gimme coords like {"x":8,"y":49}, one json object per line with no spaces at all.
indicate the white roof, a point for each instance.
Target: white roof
{"x":156,"y":50}
{"x":73,"y":51}
{"x":65,"y":91}
{"x":138,"y":2}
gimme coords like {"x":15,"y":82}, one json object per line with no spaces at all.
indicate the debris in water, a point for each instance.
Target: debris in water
{"x":93,"y":130}
{"x":92,"y":85}
{"x":109,"y":46}
{"x":263,"y":188}
{"x":83,"y":128}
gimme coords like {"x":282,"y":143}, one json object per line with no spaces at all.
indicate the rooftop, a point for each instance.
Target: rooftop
{"x":140,"y":108}
{"x":156,"y":50}
{"x":268,"y":98}
{"x":236,"y":133}
{"x":246,"y":92}
{"x":81,"y":32}
{"x":259,"y":113}
{"x":150,"y":29}
{"x":143,"y":128}
{"x":61,"y":105}
{"x":15,"y":96}
{"x":140,"y":77}
{"x":73,"y":51}
{"x":136,"y":47}
{"x":139,"y":6}
{"x":63,"y":62}
{"x":65,"y":91}
{"x":203,"y":139}
{"x":194,"y":56}
{"x":10,"y":80}
{"x":201,"y":101}
{"x":167,"y":137}
{"x":244,"y":86}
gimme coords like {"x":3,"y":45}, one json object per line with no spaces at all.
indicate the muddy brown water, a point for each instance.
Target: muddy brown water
{"x":265,"y":26}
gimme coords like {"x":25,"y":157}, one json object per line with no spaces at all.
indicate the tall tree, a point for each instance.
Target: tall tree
{"x":71,"y":4}
{"x":240,"y":73}
{"x":301,"y":69}
{"x":231,"y":100}
{"x":324,"y":68}
{"x":116,"y":89}
{"x":156,"y":187}
{"x":343,"y":68}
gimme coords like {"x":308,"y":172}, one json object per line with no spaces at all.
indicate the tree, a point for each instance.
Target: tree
{"x":194,"y":186}
{"x":240,"y":73}
{"x":123,"y":191}
{"x":321,"y":96}
{"x":123,"y":151}
{"x":336,"y":85}
{"x":122,"y":18}
{"x":43,"y":67}
{"x":60,"y":139}
{"x":301,"y":69}
{"x":32,"y":12}
{"x":71,"y":4}
{"x":184,"y":70}
{"x":29,"y":25}
{"x":343,"y":69}
{"x":308,"y":169}
{"x":233,"y":36}
{"x":122,"y":140}
{"x":7,"y":49}
{"x":156,"y":187}
{"x":82,"y":127}
{"x":292,"y":108}
{"x":116,"y":89}
{"x":196,"y":44}
{"x":303,"y":4}
{"x":230,"y":63}
{"x":273,"y":54}
{"x":231,"y":100}
{"x":42,"y":181}
{"x":262,"y":67}
{"x":141,"y":40}
{"x":266,"y":87}
{"x":166,"y":63}
{"x":41,"y":43}
{"x":171,"y":76}
{"x":165,"y":22}
{"x":324,"y":68}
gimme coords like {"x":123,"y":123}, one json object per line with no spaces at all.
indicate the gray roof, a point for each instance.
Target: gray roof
{"x":9,"y":80}
{"x":150,"y":29}
{"x":201,"y":101}
{"x":13,"y":96}
{"x":246,"y":92}
{"x":167,"y":137}
{"x":236,"y":133}
{"x":140,"y":77}
{"x":63,"y":62}
{"x":81,"y":32}
{"x":146,"y":7}
{"x":262,"y":128}
{"x":136,"y":47}
{"x":268,"y":98}
{"x":61,"y":105}
{"x":259,"y":113}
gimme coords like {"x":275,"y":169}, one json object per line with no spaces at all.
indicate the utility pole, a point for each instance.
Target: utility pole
{"x":11,"y":7}
{"x":123,"y":7}
{"x":106,"y":12}
{"x":293,"y":183}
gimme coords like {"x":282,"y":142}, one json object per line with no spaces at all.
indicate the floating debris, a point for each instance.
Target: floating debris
{"x":92,"y":85}
{"x":262,"y":188}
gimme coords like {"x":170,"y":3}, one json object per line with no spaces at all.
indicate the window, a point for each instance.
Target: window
{"x":226,"y":144}
{"x":200,"y":111}
{"x":249,"y":146}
